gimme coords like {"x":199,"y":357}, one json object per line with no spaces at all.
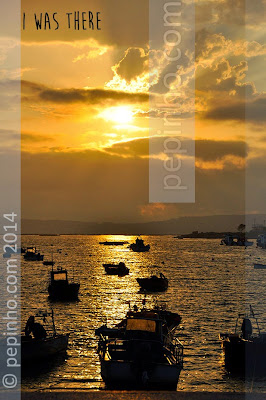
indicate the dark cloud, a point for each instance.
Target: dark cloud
{"x":133,"y":64}
{"x":251,"y":111}
{"x":206,"y":150}
{"x":73,"y":95}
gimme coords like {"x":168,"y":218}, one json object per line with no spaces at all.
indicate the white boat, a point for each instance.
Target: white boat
{"x":140,"y":355}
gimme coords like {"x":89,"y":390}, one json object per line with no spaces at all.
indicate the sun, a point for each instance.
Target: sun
{"x":122,"y":115}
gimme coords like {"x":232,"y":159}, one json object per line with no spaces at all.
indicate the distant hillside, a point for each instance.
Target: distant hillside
{"x":182,"y":225}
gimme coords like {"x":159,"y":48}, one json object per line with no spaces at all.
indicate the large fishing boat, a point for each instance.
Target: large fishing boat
{"x":140,"y":352}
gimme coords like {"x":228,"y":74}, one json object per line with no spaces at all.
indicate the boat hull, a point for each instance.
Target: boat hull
{"x":64,"y":292}
{"x":139,"y":249}
{"x":32,"y":349}
{"x":117,"y":374}
{"x":153,"y":285}
{"x":33,"y":257}
{"x":244,"y":356}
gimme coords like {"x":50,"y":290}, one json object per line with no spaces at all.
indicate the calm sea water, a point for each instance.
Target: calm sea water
{"x":208,"y":285}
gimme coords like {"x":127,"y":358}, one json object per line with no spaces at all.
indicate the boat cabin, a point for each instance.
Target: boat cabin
{"x":143,"y":328}
{"x":59,"y":276}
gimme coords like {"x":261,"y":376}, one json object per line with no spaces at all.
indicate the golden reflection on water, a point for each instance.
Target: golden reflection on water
{"x":208,"y":285}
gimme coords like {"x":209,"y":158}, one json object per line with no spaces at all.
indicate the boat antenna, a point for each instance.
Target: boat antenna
{"x":52,"y":314}
{"x":254,"y":316}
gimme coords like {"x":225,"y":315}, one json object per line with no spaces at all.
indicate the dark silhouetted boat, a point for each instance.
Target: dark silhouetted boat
{"x":154,"y":283}
{"x":116,"y":269}
{"x":31,"y":254}
{"x":60,"y":288}
{"x":244,"y":350}
{"x":236,"y":240}
{"x":140,"y":353}
{"x":36,"y":349}
{"x":139,"y":246}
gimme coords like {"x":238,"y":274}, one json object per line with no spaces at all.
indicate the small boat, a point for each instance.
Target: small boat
{"x":154,"y":283}
{"x":235,"y":240}
{"x":119,"y":243}
{"x":60,"y":288}
{"x":139,"y":246}
{"x":116,"y":269}
{"x":261,"y":241}
{"x":47,"y":262}
{"x":31,"y":254}
{"x":46,"y":345}
{"x":244,"y":351}
{"x":140,"y":354}
{"x":259,"y":266}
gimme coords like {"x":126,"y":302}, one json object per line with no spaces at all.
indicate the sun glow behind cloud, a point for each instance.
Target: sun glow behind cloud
{"x":121,"y":115}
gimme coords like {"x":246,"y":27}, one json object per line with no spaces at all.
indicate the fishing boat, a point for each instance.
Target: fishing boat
{"x":116,"y":269}
{"x":31,"y":254}
{"x":139,"y":246}
{"x":154,"y":283}
{"x":118,"y":243}
{"x":50,"y":344}
{"x":259,"y":266}
{"x":235,"y":240}
{"x":60,"y":287}
{"x":244,"y":350}
{"x":140,"y":353}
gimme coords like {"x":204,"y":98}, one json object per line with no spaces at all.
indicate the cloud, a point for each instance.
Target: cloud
{"x":253,"y":111}
{"x":96,"y":186}
{"x":134,"y":63}
{"x":206,"y":150}
{"x":43,"y":93}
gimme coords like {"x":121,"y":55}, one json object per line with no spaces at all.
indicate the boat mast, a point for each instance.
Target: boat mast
{"x":52,"y":314}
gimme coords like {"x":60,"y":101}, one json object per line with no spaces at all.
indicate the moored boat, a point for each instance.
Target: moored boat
{"x":244,"y":350}
{"x":140,"y":354}
{"x":60,"y":288}
{"x":38,"y":343}
{"x":31,"y":254}
{"x":154,"y":283}
{"x":139,"y":246}
{"x":116,"y":269}
{"x":235,"y":240}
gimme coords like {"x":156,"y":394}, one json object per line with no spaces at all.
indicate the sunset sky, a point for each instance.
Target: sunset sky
{"x":86,"y":102}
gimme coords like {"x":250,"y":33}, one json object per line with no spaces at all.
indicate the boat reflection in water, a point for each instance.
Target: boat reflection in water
{"x":245,"y":351}
{"x":140,"y":352}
